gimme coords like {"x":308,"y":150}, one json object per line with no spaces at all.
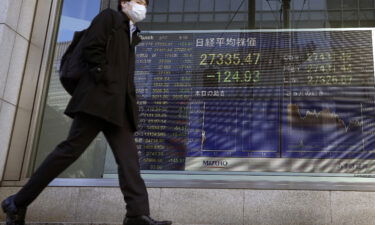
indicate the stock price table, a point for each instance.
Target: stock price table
{"x":275,"y":94}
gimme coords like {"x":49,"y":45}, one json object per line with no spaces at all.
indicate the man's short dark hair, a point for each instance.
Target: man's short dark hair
{"x":119,"y":7}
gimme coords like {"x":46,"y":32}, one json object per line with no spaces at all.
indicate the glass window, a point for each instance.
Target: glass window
{"x":350,"y":4}
{"x":160,"y":18}
{"x":206,"y":5}
{"x":206,"y":17}
{"x":365,"y":4}
{"x":334,"y":4}
{"x":175,"y":18}
{"x":314,"y":5}
{"x":230,"y":95}
{"x":176,"y":5}
{"x":298,"y":4}
{"x":271,"y":5}
{"x":239,"y":17}
{"x":161,"y":6}
{"x":315,"y":16}
{"x":239,"y":5}
{"x":76,"y":15}
{"x":191,"y":17}
{"x":221,"y":5}
{"x":367,"y":15}
{"x":191,"y":6}
{"x":351,"y":15}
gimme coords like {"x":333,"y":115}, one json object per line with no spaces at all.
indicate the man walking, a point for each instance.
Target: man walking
{"x":104,"y":100}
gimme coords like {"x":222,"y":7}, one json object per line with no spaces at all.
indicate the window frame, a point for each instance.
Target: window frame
{"x":165,"y":179}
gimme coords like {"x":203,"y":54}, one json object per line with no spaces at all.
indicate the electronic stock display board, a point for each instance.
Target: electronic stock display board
{"x":256,"y":100}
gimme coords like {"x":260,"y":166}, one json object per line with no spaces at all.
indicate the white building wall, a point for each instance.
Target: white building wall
{"x":16,"y":20}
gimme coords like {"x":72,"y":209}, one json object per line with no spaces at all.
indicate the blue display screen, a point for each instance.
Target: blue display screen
{"x":272,"y":94}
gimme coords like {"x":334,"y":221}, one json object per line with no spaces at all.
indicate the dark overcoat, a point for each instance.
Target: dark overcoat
{"x":107,"y":90}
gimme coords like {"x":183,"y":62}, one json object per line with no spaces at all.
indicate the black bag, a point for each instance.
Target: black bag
{"x":72,"y":65}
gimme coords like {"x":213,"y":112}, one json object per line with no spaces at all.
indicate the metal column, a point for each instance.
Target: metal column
{"x":251,"y":14}
{"x":286,"y":14}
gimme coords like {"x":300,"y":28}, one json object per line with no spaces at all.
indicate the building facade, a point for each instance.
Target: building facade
{"x":251,"y":111}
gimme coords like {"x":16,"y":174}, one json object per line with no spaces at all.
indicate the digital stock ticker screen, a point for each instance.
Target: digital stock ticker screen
{"x":255,"y":100}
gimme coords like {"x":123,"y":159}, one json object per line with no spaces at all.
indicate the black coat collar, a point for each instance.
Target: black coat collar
{"x":136,"y":39}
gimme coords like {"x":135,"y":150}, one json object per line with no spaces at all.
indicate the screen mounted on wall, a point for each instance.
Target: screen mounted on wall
{"x":291,"y":101}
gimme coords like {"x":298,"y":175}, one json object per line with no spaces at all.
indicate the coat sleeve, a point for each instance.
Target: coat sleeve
{"x":94,"y":50}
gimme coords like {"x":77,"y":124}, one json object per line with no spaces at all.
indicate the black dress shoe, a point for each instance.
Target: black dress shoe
{"x":14,"y":215}
{"x":144,"y":220}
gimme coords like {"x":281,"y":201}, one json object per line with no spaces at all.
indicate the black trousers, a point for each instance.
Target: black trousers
{"x":82,"y":132}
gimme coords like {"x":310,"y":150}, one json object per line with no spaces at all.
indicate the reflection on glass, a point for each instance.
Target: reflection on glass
{"x":76,"y":15}
{"x":222,"y":68}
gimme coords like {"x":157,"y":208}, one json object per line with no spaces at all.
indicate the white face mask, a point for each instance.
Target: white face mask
{"x":135,"y":11}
